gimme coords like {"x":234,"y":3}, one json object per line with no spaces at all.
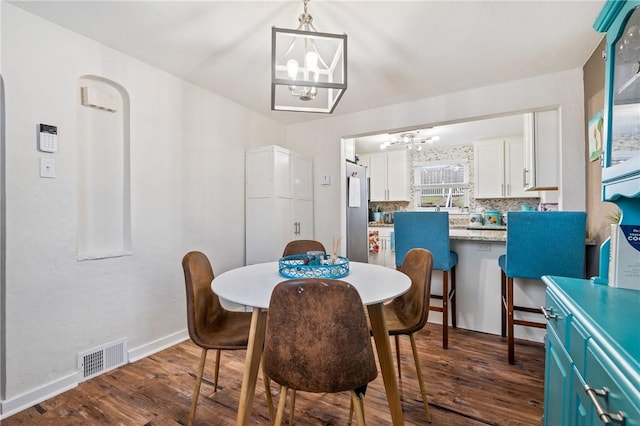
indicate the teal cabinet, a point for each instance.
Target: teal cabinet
{"x":592,"y":370}
{"x":621,"y":161}
{"x":557,"y":379}
{"x":620,"y":20}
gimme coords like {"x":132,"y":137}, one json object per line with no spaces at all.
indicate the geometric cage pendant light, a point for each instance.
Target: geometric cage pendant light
{"x":308,"y":68}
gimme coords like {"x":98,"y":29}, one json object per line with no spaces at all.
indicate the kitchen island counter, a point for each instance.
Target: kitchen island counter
{"x":485,"y":233}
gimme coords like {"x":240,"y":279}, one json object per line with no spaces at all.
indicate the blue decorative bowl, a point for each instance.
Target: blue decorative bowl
{"x":305,"y":266}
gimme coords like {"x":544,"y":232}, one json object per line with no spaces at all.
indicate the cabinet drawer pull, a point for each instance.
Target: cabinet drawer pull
{"x":606,"y":417}
{"x":547,"y":313}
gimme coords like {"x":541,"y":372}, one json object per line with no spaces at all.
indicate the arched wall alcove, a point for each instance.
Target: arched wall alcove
{"x":104,"y":205}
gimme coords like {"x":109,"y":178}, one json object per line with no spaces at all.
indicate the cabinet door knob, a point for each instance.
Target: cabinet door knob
{"x":606,"y":417}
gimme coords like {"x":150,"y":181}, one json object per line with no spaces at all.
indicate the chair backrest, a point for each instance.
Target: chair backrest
{"x":302,"y":246}
{"x":203,"y":305}
{"x":317,"y":337}
{"x":412,"y":308}
{"x":427,"y":230}
{"x":546,"y":243}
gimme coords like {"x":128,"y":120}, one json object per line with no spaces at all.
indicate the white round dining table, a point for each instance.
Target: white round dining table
{"x":252,"y":285}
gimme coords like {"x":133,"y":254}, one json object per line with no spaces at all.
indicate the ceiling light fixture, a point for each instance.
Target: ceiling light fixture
{"x":308,"y":68}
{"x":410,"y":141}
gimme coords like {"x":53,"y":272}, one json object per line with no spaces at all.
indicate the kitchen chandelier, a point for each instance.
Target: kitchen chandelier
{"x":308,"y":68}
{"x":409,"y":140}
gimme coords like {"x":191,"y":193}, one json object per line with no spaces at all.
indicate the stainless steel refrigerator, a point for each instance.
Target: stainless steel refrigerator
{"x":357,"y":213}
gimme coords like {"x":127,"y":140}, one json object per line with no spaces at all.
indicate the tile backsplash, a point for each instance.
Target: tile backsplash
{"x":455,"y":153}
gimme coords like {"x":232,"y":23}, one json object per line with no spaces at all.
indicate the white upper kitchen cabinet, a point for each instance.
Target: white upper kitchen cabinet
{"x":499,"y":167}
{"x":278,"y":201}
{"x":389,"y":173}
{"x":541,"y":144}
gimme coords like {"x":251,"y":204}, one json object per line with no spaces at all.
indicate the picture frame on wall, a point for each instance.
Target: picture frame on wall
{"x":595,"y":136}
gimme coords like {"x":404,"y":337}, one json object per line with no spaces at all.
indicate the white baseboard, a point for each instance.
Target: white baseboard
{"x":29,"y":399}
{"x":12,"y":406}
{"x":151,"y":348}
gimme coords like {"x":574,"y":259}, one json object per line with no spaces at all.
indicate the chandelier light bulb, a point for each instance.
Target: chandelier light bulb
{"x":292,"y":69}
{"x":311,"y":61}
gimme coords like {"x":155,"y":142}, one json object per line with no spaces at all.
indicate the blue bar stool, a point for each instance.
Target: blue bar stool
{"x":539,"y":243}
{"x":430,"y":230}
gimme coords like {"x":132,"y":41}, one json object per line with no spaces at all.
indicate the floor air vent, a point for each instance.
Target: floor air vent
{"x":100,"y":360}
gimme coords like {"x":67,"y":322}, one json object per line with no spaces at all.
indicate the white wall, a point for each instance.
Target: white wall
{"x":187,"y":166}
{"x":321,"y":139}
{"x":187,"y":192}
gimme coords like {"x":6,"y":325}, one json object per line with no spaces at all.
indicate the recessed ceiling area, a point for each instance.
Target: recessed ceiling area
{"x":449,"y":134}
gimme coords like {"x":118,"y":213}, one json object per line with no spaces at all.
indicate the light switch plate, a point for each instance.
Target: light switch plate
{"x":326,"y":180}
{"x":47,"y":168}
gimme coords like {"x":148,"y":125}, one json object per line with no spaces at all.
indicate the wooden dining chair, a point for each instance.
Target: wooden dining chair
{"x":210,"y":325}
{"x":538,"y":243}
{"x":294,"y":247}
{"x":302,"y":246}
{"x":316,"y":350}
{"x":408,"y":313}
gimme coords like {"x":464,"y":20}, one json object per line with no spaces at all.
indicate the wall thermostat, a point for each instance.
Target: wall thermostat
{"x":47,"y":138}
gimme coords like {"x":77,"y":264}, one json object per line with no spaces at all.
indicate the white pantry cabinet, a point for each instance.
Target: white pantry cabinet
{"x":499,"y":165}
{"x":541,"y":144}
{"x":389,"y":173}
{"x":278,"y":201}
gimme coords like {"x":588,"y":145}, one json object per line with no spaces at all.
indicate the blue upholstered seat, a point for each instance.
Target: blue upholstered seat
{"x":430,"y":230}
{"x":539,"y":243}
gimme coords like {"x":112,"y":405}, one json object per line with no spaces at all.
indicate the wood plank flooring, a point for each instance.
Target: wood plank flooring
{"x":470,"y":383}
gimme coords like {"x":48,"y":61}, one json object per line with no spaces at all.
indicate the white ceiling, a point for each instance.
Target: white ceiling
{"x":397,"y":50}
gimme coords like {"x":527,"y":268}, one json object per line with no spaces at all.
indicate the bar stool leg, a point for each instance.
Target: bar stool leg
{"x":453,"y":298}
{"x":510,"y":340}
{"x":503,"y":302}
{"x":445,"y":309}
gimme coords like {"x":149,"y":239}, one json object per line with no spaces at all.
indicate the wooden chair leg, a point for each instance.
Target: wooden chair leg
{"x":510,"y":339}
{"x":281,"y":404}
{"x":425,"y":401}
{"x":293,"y":406}
{"x":196,"y":390}
{"x":445,"y":309}
{"x":359,"y":407}
{"x":454,"y":315}
{"x":217,"y":369}
{"x":503,"y":302}
{"x":398,"y":354}
{"x":269,"y":396}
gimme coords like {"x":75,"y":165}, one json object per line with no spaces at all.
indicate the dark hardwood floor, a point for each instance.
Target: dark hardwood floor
{"x":470,"y":383}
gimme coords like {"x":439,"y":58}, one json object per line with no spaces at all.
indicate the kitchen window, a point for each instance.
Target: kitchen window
{"x":442,"y":185}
